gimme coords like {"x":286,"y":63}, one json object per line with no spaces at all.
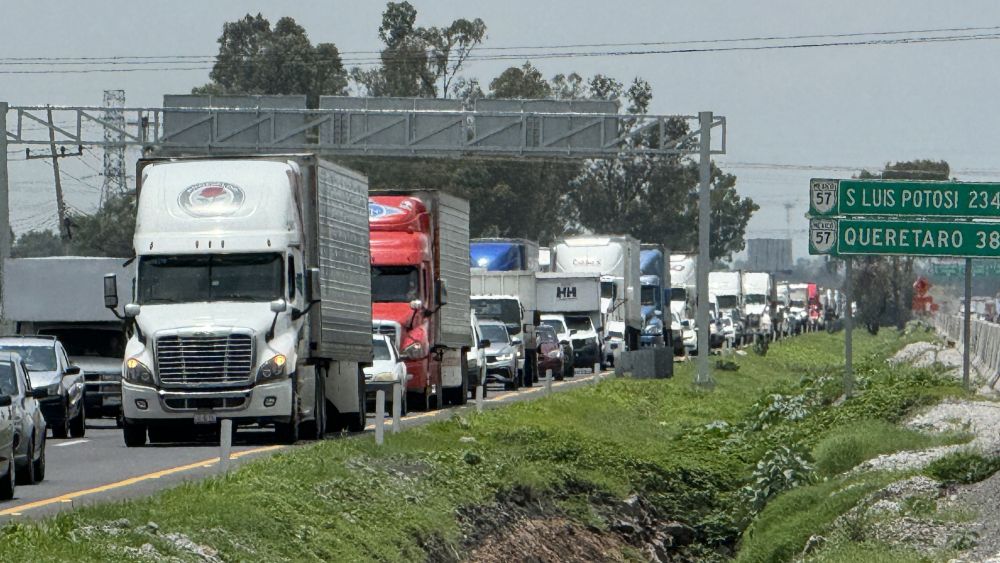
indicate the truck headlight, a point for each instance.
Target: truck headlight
{"x":414,"y":351}
{"x":136,"y":372}
{"x":273,"y":368}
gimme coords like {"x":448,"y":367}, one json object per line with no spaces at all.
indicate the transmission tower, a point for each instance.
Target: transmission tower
{"x":114,"y":148}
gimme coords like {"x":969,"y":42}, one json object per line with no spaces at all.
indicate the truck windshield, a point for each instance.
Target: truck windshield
{"x":608,"y":290}
{"x":496,"y":334}
{"x":556,"y":325}
{"x":649,"y":295}
{"x":395,"y":284}
{"x":507,"y":311}
{"x":211,"y":277}
{"x":797,"y":303}
{"x":726,"y":301}
{"x":678,"y":294}
{"x":755,"y":299}
{"x":579,"y":323}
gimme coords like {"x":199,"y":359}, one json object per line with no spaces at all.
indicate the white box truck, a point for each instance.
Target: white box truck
{"x":616,"y":260}
{"x":509,"y":297}
{"x":252,"y":297}
{"x":571,"y":304}
{"x":759,"y":297}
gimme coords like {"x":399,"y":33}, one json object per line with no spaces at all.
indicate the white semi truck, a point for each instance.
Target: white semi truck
{"x":726,"y":290}
{"x":683,"y":284}
{"x":758,"y":300}
{"x":252,"y":298}
{"x":616,"y":260}
{"x":509,"y":297}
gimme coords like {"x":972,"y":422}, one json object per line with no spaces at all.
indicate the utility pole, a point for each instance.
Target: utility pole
{"x":704,"y":378}
{"x":5,"y":236}
{"x":55,"y":156}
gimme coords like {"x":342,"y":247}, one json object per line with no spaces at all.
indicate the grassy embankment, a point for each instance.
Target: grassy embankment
{"x":688,"y":453}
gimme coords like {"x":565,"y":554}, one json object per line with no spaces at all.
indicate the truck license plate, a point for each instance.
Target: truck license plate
{"x":204,"y":417}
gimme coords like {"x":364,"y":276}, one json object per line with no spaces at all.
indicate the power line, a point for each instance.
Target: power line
{"x":141,"y":66}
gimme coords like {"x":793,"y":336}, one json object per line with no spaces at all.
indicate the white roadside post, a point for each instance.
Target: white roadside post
{"x":479,"y":397}
{"x":379,"y":417}
{"x":225,"y":443}
{"x":548,"y":382}
{"x":397,"y":407}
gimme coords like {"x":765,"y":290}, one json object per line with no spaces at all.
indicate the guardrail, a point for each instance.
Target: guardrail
{"x":984,"y":342}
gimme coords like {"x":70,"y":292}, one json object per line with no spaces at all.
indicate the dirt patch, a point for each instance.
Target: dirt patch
{"x":522,"y":526}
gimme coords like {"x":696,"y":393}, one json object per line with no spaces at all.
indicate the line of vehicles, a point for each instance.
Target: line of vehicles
{"x":279,"y":291}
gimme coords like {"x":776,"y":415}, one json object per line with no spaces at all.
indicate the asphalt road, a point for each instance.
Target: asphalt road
{"x":99,"y":468}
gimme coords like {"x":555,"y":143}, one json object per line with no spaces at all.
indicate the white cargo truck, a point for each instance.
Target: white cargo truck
{"x":252,"y":297}
{"x":616,"y":260}
{"x":509,"y":297}
{"x":571,"y":304}
{"x":61,"y":296}
{"x":683,"y":284}
{"x":726,"y":290}
{"x":758,"y":300}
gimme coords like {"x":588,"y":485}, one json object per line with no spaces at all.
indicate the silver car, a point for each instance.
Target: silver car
{"x":7,"y":471}
{"x":29,"y":424}
{"x":501,"y":355}
{"x":49,"y":368}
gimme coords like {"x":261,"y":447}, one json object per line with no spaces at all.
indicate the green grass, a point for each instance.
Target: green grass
{"x":869,"y":552}
{"x":350,"y":500}
{"x":845,"y":447}
{"x":963,"y":467}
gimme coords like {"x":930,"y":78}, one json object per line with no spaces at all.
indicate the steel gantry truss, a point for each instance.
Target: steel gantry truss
{"x":412,"y":127}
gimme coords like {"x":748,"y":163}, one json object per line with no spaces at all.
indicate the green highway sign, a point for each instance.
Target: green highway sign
{"x":855,"y":237}
{"x":957,"y":269}
{"x":903,"y":198}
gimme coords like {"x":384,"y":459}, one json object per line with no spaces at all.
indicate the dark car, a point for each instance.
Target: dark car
{"x":50,"y":369}
{"x":550,"y":352}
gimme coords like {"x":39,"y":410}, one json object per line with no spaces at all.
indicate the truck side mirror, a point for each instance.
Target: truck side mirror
{"x":313,"y":289}
{"x":441,"y":288}
{"x":279,"y":306}
{"x":131,"y":310}
{"x":111,"y":291}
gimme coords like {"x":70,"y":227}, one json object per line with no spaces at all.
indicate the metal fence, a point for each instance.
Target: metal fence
{"x":984,"y":342}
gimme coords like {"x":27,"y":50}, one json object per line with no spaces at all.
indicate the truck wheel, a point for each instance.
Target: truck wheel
{"x":7,"y":482}
{"x":27,"y":475}
{"x":39,"y":464}
{"x":134,"y":434}
{"x":287,"y":432}
{"x":78,"y":426}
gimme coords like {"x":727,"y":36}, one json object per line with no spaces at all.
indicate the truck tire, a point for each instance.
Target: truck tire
{"x":355,"y":421}
{"x":315,"y":429}
{"x":78,"y":426}
{"x":7,"y":482}
{"x":39,"y":464}
{"x":134,"y":434}
{"x":27,"y":474}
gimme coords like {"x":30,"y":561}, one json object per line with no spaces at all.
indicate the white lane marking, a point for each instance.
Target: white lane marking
{"x":70,"y":443}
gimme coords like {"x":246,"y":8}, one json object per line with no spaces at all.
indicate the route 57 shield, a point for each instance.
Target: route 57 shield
{"x":823,"y":196}
{"x":822,"y":236}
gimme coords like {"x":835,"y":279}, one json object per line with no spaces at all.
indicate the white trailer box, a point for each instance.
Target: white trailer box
{"x":567,"y":293}
{"x":758,"y":292}
{"x":683,"y":284}
{"x":61,"y":289}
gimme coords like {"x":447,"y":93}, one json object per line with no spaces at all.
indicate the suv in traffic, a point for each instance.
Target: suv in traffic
{"x":49,"y":368}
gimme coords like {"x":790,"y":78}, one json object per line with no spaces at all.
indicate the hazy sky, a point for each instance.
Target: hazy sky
{"x":792,"y":114}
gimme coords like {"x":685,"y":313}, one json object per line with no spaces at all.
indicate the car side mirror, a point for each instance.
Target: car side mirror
{"x":132,"y":310}
{"x":72,"y":370}
{"x":6,"y":400}
{"x":515,"y":341}
{"x":658,"y":313}
{"x":111,"y":291}
{"x":314,"y":290}
{"x":39,"y":393}
{"x":279,"y":306}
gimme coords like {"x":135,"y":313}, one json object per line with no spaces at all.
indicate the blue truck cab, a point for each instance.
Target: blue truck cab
{"x":654,"y":281}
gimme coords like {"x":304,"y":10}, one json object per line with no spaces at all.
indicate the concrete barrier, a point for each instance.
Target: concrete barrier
{"x":984,"y":342}
{"x":648,"y":363}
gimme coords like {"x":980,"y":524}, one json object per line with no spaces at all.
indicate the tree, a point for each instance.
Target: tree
{"x":35,"y":244}
{"x":256,"y":59}
{"x":108,"y":232}
{"x":418,"y":61}
{"x":524,"y":82}
{"x":892,"y":302}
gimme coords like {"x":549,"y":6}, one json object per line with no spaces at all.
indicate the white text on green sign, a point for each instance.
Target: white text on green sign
{"x":904,"y":238}
{"x":902,"y":198}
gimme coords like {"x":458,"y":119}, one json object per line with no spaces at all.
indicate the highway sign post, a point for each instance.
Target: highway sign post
{"x":904,"y":218}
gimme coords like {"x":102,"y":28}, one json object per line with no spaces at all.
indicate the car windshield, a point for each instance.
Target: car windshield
{"x":507,"y":311}
{"x":547,"y":335}
{"x":579,"y":323}
{"x":37,"y":358}
{"x":381,"y":349}
{"x":8,"y":380}
{"x":556,"y":324}
{"x":210,"y":277}
{"x":395,"y":284}
{"x":649,"y":295}
{"x":496,"y":334}
{"x":90,"y":342}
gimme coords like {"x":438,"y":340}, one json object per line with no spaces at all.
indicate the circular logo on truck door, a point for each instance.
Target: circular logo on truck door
{"x":211,"y":199}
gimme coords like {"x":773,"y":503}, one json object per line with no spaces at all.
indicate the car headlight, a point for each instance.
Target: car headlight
{"x":136,"y":372}
{"x":414,"y":351}
{"x":555,"y":354}
{"x":384,"y":376}
{"x":272,"y":368}
{"x":653,"y":330}
{"x":505,"y":357}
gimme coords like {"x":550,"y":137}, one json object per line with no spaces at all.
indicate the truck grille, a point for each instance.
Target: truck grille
{"x":194,"y":360}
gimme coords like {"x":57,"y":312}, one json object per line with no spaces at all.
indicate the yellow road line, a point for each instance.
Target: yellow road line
{"x":68,"y":497}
